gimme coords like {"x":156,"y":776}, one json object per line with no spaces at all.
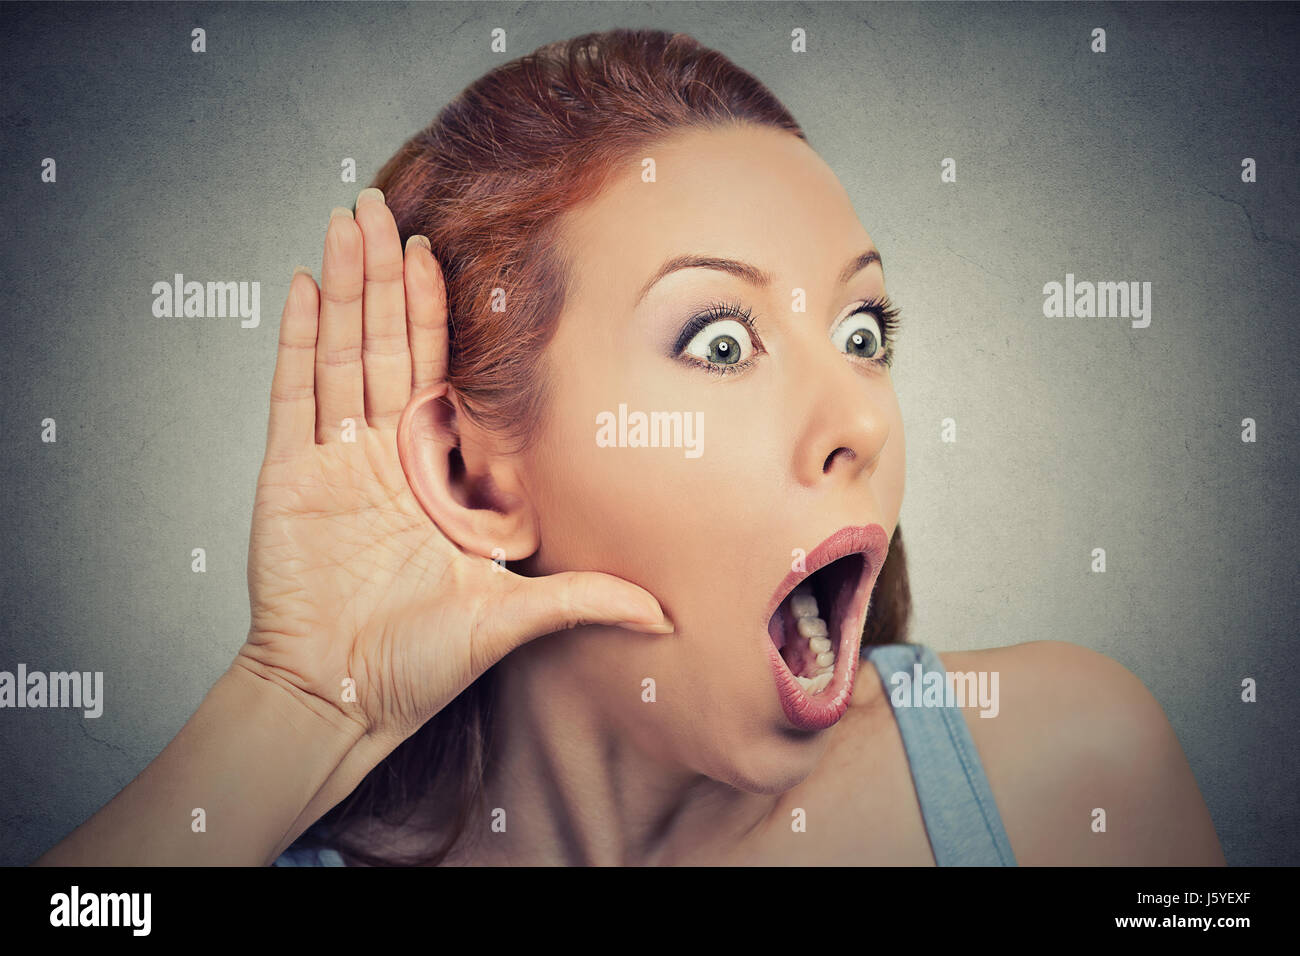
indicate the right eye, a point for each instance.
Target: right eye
{"x":723,"y":338}
{"x":721,"y":342}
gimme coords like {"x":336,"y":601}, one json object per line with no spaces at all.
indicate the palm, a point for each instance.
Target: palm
{"x":335,"y":537}
{"x":357,"y":598}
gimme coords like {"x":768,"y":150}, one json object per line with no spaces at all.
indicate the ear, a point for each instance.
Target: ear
{"x":465,"y":484}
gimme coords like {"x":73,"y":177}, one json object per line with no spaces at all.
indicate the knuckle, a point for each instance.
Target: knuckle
{"x":386,"y":271}
{"x":292,"y":393}
{"x":287,"y":345}
{"x":425,"y":317}
{"x":338,"y":294}
{"x":386,"y":343}
{"x":339,"y":357}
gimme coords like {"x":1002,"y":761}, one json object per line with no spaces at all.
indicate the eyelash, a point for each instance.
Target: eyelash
{"x":881,"y":308}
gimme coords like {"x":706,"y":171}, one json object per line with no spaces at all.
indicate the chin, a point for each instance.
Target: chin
{"x":770,"y":770}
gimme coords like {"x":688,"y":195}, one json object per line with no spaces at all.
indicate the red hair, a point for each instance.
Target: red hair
{"x":489,"y":183}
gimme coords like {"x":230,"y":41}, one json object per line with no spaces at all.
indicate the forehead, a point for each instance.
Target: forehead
{"x":757,"y":194}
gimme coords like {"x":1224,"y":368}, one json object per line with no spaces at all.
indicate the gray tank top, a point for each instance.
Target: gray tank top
{"x":957,"y":806}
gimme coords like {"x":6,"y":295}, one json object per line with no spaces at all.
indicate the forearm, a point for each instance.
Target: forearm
{"x":252,"y":758}
{"x":349,"y":774}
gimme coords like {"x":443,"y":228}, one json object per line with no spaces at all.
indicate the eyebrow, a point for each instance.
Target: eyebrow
{"x":750,"y":274}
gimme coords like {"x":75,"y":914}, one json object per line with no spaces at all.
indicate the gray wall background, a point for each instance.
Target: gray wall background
{"x":1073,"y":433}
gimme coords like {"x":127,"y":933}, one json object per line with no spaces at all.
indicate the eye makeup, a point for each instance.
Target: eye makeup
{"x":881,"y":308}
{"x":715,"y":312}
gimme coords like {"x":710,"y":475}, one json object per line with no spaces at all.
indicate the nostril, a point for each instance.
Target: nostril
{"x":830,"y":459}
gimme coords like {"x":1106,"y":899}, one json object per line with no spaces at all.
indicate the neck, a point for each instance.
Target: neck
{"x":578,"y":791}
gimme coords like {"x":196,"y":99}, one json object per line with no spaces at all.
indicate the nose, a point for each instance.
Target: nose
{"x":843,"y":424}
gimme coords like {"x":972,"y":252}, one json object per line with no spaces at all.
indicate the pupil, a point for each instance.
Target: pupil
{"x":863,"y":342}
{"x":725,"y":350}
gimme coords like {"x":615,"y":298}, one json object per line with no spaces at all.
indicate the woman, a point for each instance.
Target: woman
{"x":659,"y":432}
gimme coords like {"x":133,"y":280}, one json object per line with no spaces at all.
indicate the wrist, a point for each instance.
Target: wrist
{"x":247,"y":763}
{"x":268,"y":691}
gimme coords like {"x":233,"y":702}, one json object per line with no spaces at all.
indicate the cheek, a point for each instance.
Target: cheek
{"x":690,"y":530}
{"x":646,"y":514}
{"x":638,"y":512}
{"x":685,"y":530}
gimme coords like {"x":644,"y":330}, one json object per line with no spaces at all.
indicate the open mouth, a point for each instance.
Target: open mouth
{"x":809,"y":626}
{"x":815,"y":625}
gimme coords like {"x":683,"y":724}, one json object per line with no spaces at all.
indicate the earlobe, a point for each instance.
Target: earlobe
{"x":450,"y":473}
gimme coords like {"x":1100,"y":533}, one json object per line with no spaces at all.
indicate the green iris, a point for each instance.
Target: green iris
{"x":724,"y":350}
{"x":862,"y":342}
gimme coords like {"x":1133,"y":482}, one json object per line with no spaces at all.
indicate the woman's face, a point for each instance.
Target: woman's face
{"x":801,"y":436}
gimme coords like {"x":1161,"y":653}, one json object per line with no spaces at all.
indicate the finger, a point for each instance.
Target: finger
{"x":426,"y":314}
{"x":532,"y":607}
{"x":339,"y":392}
{"x":385,"y":354}
{"x":293,"y":386}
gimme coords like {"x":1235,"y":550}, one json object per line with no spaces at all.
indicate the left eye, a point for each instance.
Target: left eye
{"x":859,"y":334}
{"x":721,"y":343}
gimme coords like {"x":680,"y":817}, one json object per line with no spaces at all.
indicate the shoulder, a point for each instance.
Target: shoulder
{"x":1082,"y":761}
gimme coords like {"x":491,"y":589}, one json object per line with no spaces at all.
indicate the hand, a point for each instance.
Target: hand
{"x":348,"y":577}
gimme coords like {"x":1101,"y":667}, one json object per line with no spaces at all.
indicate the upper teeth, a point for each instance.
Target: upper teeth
{"x":808,"y":622}
{"x":803,"y":603}
{"x":811,"y":627}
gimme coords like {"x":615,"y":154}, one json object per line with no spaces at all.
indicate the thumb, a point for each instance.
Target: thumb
{"x":532,"y":607}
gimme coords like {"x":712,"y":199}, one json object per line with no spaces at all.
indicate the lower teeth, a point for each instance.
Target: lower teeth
{"x":813,"y":685}
{"x":812,"y":629}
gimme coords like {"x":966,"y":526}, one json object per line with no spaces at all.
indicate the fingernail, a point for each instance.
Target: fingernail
{"x":341,"y":211}
{"x":419,"y":241}
{"x":369,"y":193}
{"x":663,"y":627}
{"x":297,"y":269}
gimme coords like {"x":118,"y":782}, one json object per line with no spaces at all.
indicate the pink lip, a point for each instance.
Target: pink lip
{"x":826,"y":708}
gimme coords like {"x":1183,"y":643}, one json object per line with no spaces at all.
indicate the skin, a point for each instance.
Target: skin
{"x":802,"y":442}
